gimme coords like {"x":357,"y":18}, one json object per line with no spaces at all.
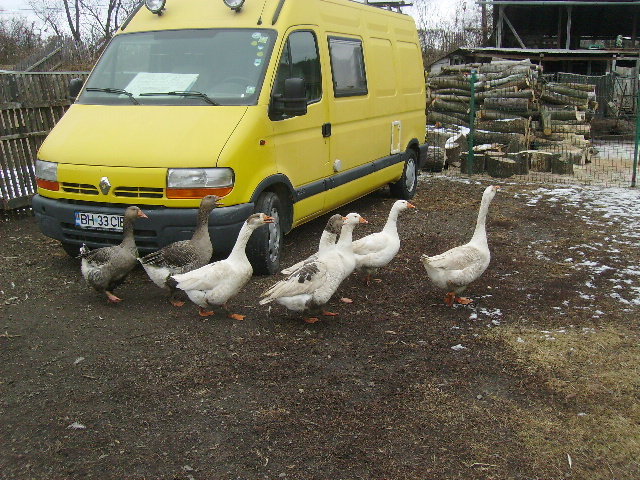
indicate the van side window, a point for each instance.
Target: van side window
{"x":347,"y":66}
{"x":300,"y":59}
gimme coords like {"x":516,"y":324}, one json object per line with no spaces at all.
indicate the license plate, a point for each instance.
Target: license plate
{"x":99,"y":221}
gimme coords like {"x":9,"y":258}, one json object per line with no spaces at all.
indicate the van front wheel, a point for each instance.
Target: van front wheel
{"x":406,"y":187}
{"x":265,"y":245}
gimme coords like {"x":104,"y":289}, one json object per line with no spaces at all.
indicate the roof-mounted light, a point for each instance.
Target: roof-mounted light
{"x":155,"y":6}
{"x":234,"y":5}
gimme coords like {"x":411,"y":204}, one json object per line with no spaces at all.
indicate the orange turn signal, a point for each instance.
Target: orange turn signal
{"x":48,"y":185}
{"x":197,"y":192}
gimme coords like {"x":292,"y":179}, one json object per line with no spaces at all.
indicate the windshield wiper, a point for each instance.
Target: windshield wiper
{"x":201,"y":95}
{"x":117,"y":91}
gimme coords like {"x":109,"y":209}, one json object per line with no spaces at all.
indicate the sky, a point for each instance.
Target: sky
{"x":444,"y":9}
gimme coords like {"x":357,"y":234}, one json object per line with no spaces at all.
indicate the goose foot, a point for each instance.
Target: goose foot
{"x":452,"y":298}
{"x":311,"y":319}
{"x":176,"y":302}
{"x":111,"y":298}
{"x":237,"y":316}
{"x":204,"y":313}
{"x":329,"y":314}
{"x":463,"y":300}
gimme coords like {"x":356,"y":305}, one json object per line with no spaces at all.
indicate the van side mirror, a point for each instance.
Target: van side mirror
{"x":75,"y":85}
{"x":293,"y":101}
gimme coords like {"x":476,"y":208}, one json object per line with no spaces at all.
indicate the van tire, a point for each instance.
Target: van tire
{"x":71,"y":249}
{"x":265,"y":245}
{"x":406,"y":187}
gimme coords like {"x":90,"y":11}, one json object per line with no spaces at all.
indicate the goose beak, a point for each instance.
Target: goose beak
{"x":410,"y":205}
{"x":141,"y":214}
{"x":362,"y":220}
{"x":268,"y":219}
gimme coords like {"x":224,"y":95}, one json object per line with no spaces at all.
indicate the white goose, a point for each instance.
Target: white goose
{"x":378,"y":249}
{"x":327,"y":240}
{"x":215,"y":283}
{"x":107,"y":267}
{"x":185,"y":255}
{"x":455,"y":269}
{"x":314,"y":283}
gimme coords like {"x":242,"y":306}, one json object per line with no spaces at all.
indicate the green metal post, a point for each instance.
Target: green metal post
{"x":472,"y":120}
{"x":635,"y":153}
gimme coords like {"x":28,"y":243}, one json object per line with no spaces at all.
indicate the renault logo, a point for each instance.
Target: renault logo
{"x":105,"y":186}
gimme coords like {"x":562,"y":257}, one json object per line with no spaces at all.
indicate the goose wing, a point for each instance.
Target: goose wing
{"x":204,"y":278}
{"x":370,"y":244}
{"x":178,"y":256}
{"x":305,"y":280}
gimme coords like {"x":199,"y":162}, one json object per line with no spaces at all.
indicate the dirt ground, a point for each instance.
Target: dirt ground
{"x":536,"y":379}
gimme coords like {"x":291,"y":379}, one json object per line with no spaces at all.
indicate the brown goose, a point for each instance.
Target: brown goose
{"x":105,"y":268}
{"x":185,"y":255}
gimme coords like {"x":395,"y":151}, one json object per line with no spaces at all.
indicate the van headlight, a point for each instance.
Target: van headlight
{"x":198,"y":182}
{"x":47,"y":175}
{"x":155,"y":6}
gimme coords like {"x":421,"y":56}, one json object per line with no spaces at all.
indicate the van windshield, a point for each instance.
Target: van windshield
{"x":181,"y":67}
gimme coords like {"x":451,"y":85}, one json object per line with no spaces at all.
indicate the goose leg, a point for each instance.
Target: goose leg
{"x":112,"y":298}
{"x":234,"y":316}
{"x":176,"y":302}
{"x":449,"y":298}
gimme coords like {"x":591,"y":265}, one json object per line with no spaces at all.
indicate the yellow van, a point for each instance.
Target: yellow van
{"x":289,"y":107}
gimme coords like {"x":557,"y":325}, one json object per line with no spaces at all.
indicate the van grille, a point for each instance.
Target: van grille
{"x":126,"y":192}
{"x":139,"y":192}
{"x":80,"y":188}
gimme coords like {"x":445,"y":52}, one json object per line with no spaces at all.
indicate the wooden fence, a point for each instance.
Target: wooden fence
{"x":30,"y":105}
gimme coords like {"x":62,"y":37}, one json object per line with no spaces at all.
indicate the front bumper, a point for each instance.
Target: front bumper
{"x":56,"y":219}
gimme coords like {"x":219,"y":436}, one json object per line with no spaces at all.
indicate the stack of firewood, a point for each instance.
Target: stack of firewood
{"x":518,"y":117}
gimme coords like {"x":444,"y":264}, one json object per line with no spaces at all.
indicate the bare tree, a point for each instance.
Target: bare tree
{"x":88,"y":22}
{"x":442,"y":32}
{"x":18,"y":38}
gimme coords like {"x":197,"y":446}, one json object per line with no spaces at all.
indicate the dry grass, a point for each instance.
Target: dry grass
{"x":593,"y":423}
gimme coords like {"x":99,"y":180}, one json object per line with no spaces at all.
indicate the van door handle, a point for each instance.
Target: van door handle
{"x":326,"y":130}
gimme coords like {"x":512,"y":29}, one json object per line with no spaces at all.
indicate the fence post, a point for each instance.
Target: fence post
{"x":635,"y":152}
{"x":472,"y":121}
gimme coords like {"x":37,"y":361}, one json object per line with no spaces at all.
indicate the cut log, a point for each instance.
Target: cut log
{"x":560,"y":166}
{"x":509,"y":93}
{"x":565,"y":113}
{"x":545,"y":121}
{"x":558,"y":98}
{"x":449,"y":82}
{"x":440,"y":105}
{"x":452,"y":91}
{"x":484,"y":136}
{"x":498,"y":165}
{"x":486,"y":114}
{"x":522,"y":161}
{"x":452,"y":118}
{"x":540,"y":161}
{"x":452,"y":155}
{"x":584,"y":129}
{"x":566,"y":138}
{"x":587,"y":87}
{"x":478,"y":164}
{"x":507,"y":104}
{"x":514,"y":125}
{"x":451,"y":98}
{"x":566,"y":90}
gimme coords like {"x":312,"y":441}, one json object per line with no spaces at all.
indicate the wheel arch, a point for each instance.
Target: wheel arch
{"x":281,"y":186}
